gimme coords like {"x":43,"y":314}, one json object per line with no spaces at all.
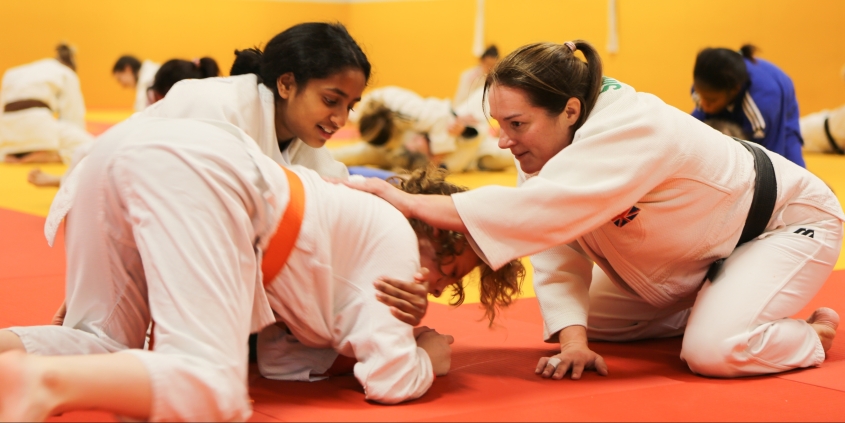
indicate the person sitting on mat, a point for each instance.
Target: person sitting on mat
{"x":642,"y":222}
{"x":168,"y":74}
{"x":130,"y":72}
{"x":43,"y":115}
{"x":279,"y":226}
{"x":751,"y":92}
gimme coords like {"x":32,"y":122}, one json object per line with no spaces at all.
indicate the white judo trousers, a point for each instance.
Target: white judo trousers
{"x":740,"y":323}
{"x":166,"y":223}
{"x":814,"y":135}
{"x":37,"y":128}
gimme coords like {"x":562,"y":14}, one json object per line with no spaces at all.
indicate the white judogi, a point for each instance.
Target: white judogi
{"x":653,"y":197}
{"x":431,"y":116}
{"x":166,"y":221}
{"x":243,"y":102}
{"x":469,"y":81}
{"x":812,"y":130}
{"x":146,"y":78}
{"x":325,"y":296}
{"x":34,"y":129}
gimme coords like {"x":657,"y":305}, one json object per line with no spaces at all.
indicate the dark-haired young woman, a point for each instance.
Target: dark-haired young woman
{"x":43,"y":113}
{"x":751,"y":92}
{"x":692,"y":232}
{"x":290,"y":98}
{"x":130,"y":72}
{"x":473,"y":78}
{"x":175,"y":70}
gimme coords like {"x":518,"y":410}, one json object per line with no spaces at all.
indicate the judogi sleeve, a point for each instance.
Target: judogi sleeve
{"x":616,"y":158}
{"x":562,"y":277}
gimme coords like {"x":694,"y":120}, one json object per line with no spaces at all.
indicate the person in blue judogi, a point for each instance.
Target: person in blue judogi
{"x":753,"y":93}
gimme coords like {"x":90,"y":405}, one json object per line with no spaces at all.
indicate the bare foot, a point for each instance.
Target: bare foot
{"x":40,"y":179}
{"x":22,"y":394}
{"x":11,"y":159}
{"x":825,"y":321}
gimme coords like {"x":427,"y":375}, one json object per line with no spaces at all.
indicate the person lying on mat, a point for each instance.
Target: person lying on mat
{"x":643,"y":222}
{"x":279,"y":227}
{"x":306,"y":349}
{"x":168,"y":74}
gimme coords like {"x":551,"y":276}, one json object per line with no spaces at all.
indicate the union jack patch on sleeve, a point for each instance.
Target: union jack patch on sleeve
{"x":623,"y":218}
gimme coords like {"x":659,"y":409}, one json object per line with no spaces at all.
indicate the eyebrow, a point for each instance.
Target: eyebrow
{"x":512,"y":116}
{"x":340,"y":92}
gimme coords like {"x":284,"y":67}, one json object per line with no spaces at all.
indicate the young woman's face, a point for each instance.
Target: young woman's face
{"x":531,"y":134}
{"x":441,"y":276}
{"x":126,"y":78}
{"x":713,"y":101}
{"x":313,"y":113}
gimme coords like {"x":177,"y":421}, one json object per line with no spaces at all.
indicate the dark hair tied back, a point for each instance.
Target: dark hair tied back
{"x":175,"y":70}
{"x":550,"y":74}
{"x":722,"y":69}
{"x":308,"y":51}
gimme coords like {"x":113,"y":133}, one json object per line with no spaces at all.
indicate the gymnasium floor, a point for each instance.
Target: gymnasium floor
{"x":492,"y":369}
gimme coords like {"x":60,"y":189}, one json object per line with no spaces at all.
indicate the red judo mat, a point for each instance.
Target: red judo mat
{"x":492,"y":375}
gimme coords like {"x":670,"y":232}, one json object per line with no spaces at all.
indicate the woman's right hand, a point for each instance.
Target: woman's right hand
{"x":395,"y":196}
{"x":574,"y":357}
{"x":438,"y":348}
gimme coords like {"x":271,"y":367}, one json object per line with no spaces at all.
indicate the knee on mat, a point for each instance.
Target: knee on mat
{"x":708,"y":356}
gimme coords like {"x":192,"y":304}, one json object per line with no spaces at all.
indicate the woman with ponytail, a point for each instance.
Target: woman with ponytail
{"x":643,"y":222}
{"x":752,"y":93}
{"x":290,"y":98}
{"x":175,"y":70}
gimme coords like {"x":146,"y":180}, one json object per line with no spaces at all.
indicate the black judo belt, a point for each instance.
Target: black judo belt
{"x":762,"y":203}
{"x":833,"y":144}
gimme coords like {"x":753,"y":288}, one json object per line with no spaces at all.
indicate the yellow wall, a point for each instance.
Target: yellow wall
{"x":425,"y":44}
{"x":103,"y":30}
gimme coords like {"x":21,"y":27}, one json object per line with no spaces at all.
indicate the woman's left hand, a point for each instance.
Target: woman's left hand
{"x":408,"y":301}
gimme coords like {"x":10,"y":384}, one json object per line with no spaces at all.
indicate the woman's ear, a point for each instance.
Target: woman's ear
{"x":286,"y":85}
{"x":572,"y":111}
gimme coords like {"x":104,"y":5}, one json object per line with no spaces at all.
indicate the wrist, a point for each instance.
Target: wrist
{"x":575,"y":335}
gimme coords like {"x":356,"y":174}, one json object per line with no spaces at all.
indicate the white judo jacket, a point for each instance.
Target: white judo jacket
{"x":429,"y":115}
{"x":49,"y":81}
{"x":146,"y":78}
{"x":647,"y":192}
{"x":325,"y":296}
{"x":243,"y":102}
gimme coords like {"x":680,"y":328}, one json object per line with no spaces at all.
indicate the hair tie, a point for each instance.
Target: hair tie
{"x":571,"y":46}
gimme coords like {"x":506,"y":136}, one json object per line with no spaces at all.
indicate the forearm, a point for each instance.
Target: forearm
{"x":438,"y":211}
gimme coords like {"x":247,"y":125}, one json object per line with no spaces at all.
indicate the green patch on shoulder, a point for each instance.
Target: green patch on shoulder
{"x":609,"y":83}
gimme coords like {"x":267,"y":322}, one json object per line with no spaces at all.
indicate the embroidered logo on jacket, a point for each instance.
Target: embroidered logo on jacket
{"x":623,"y":218}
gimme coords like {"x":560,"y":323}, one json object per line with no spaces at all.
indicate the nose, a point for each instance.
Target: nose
{"x":339,"y":120}
{"x":505,"y":142}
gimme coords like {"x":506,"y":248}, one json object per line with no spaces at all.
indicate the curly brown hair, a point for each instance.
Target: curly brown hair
{"x":497,"y":287}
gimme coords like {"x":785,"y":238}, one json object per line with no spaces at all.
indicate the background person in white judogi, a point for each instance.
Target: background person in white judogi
{"x":141,"y":249}
{"x":653,"y":197}
{"x":817,"y":139}
{"x":43,"y":115}
{"x":132,"y":73}
{"x":473,"y":78}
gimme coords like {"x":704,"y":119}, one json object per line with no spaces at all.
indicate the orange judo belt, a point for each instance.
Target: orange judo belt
{"x":281,"y":245}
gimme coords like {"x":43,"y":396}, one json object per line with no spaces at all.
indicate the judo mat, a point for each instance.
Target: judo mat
{"x":492,"y":375}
